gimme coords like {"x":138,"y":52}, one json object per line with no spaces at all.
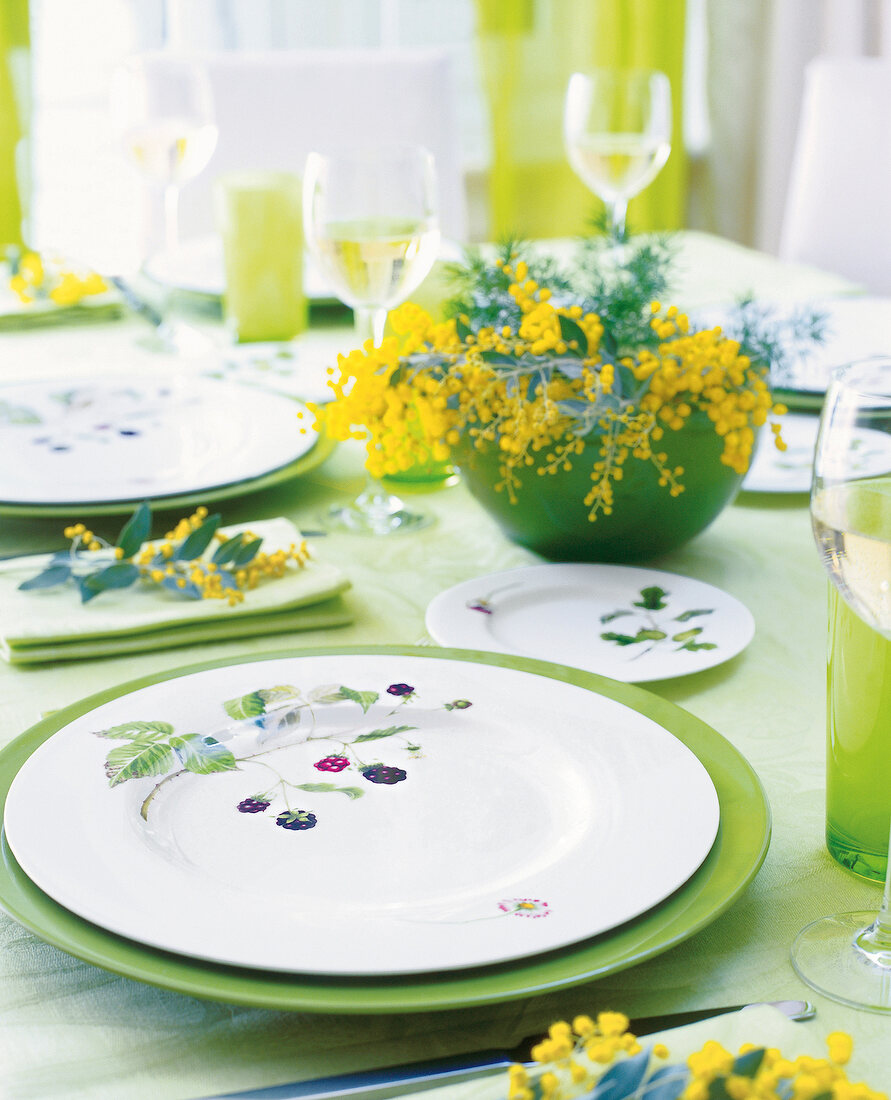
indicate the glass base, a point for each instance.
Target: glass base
{"x":867,"y":864}
{"x":834,"y":956}
{"x":375,"y":512}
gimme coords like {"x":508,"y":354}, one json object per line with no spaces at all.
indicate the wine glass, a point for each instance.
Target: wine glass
{"x":617,"y":132}
{"x":370,"y":221}
{"x":164,"y":123}
{"x":848,"y":956}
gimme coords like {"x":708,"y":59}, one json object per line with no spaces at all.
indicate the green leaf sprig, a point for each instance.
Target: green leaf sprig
{"x":182,"y":563}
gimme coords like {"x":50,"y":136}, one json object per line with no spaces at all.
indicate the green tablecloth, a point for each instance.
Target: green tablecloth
{"x":70,"y":1030}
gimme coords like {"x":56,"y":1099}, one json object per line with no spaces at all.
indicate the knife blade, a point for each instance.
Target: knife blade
{"x":389,"y":1081}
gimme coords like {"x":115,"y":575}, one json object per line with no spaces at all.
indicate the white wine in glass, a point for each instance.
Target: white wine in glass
{"x":847,"y":957}
{"x":370,"y":219}
{"x":617,"y":132}
{"x":164,"y":123}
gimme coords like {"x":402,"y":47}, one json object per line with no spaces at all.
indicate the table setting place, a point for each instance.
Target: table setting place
{"x":523,"y":570}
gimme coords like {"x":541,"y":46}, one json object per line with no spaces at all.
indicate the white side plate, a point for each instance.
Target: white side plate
{"x":631,"y":624}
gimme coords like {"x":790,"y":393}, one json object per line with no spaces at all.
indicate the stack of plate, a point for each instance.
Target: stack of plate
{"x":374,"y":829}
{"x":102,"y":445}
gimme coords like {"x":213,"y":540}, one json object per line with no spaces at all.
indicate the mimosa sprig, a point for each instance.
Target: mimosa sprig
{"x":32,"y":277}
{"x":181,"y":563}
{"x":601,"y":1060}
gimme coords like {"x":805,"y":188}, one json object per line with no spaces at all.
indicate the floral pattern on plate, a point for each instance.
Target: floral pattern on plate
{"x":632,"y":624}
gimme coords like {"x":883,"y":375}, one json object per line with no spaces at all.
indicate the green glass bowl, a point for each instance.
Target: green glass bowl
{"x":550,"y":517}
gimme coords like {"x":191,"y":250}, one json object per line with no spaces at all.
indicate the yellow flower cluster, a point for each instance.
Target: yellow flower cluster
{"x":157,"y":561}
{"x":573,"y":1057}
{"x":539,"y":393}
{"x":82,"y":537}
{"x":35,"y":279}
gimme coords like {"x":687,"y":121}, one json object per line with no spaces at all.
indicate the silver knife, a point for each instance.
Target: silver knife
{"x":379,"y":1084}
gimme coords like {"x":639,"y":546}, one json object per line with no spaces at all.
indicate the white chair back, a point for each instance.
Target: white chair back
{"x":838,"y":206}
{"x":273,"y":108}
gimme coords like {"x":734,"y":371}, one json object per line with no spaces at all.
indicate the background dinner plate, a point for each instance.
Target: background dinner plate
{"x":388,"y":814}
{"x":732,"y":862}
{"x":631,"y":624}
{"x":108,"y":442}
{"x":789,"y":471}
{"x":856,"y":327}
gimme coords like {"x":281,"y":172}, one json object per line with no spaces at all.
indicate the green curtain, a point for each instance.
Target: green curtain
{"x":528,"y":49}
{"x":15,"y":107}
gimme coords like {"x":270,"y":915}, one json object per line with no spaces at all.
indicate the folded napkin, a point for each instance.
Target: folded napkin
{"x":51,"y":624}
{"x":762,"y":1026}
{"x":16,"y":314}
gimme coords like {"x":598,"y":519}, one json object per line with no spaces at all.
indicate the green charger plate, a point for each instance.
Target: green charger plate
{"x":737,"y":854}
{"x":314,"y":457}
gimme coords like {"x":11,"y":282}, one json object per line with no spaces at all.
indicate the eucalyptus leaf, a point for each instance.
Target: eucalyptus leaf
{"x":120,"y":575}
{"x":203,"y":755}
{"x":50,"y":577}
{"x":137,"y":760}
{"x":748,"y":1064}
{"x":247,"y":553}
{"x":86,"y":588}
{"x":194,"y":545}
{"x":227,"y":550}
{"x":143,"y":731}
{"x":498,"y":359}
{"x":189,"y":590}
{"x":667,"y":1083}
{"x":136,"y":530}
{"x":623,"y":1078}
{"x":571,"y":330}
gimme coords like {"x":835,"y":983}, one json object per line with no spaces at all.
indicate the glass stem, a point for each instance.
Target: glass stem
{"x":875,"y":941}
{"x":370,"y":324}
{"x":171,"y":217}
{"x":617,"y":211}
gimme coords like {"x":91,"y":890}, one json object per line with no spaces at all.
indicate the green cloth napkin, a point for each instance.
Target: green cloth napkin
{"x":52,"y":624}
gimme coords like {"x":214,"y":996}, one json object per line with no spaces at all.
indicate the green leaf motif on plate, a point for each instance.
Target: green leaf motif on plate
{"x":203,"y":755}
{"x":686,"y":616}
{"x":365,"y":699}
{"x":324,"y":788}
{"x":251,"y":705}
{"x":142,"y":731}
{"x":652,"y":598}
{"x":376,"y":735}
{"x":138,"y":760}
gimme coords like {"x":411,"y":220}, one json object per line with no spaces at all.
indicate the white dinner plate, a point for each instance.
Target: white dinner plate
{"x":361,"y":813}
{"x":789,"y":471}
{"x":106,"y":439}
{"x":631,"y":624}
{"x":855,"y":327}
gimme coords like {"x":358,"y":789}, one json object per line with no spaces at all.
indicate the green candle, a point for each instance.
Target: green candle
{"x":260,"y":218}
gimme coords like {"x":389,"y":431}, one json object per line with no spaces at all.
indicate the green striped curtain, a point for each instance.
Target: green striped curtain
{"x":528,"y":49}
{"x":15,"y":107}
